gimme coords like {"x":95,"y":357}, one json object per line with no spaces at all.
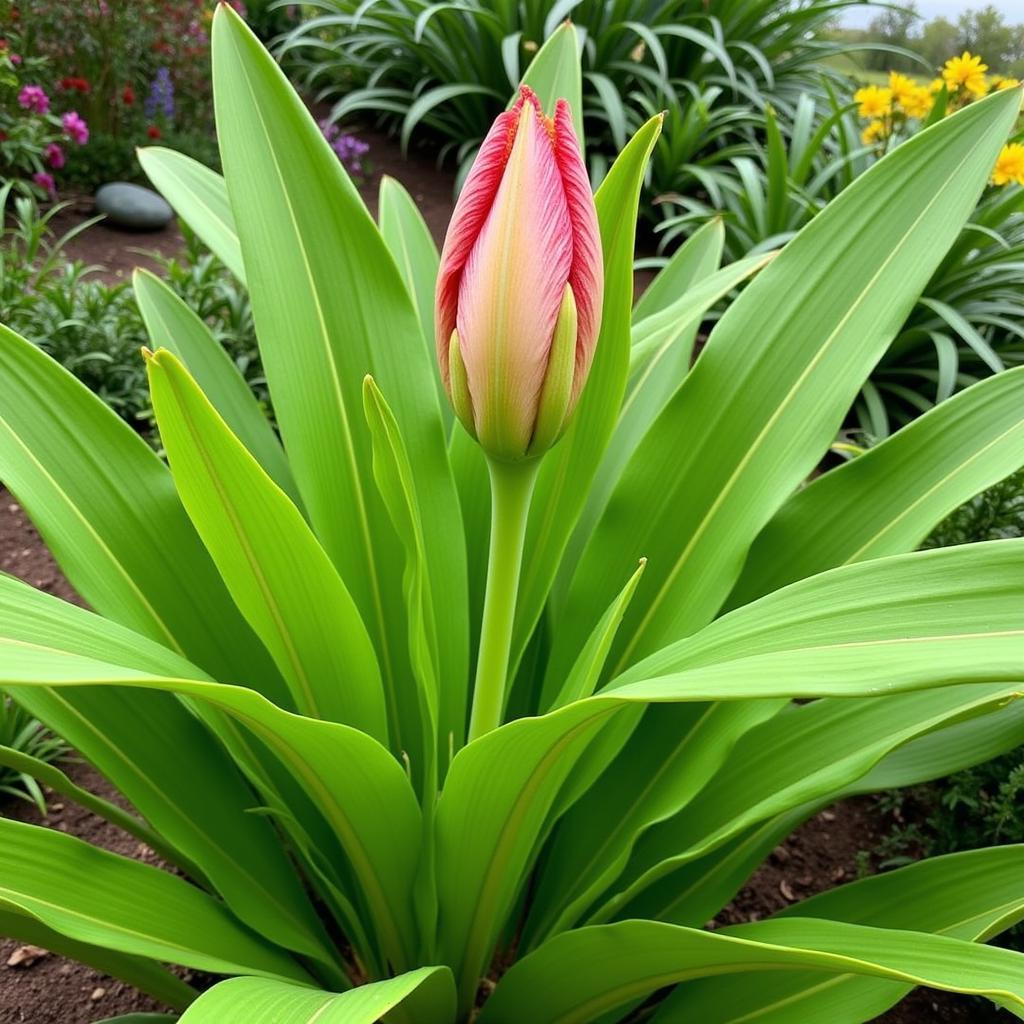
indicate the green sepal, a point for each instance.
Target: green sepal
{"x":556,"y":393}
{"x":458,"y":385}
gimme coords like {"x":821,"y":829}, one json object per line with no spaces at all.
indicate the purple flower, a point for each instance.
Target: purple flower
{"x":54,"y":155}
{"x":350,"y":149}
{"x":161,"y":96}
{"x":75,"y":128}
{"x":33,"y":97}
{"x":45,"y":181}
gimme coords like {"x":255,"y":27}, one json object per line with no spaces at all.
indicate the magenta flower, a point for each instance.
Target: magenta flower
{"x":519,"y":292}
{"x":75,"y":128}
{"x":34,"y":98}
{"x":15,"y":59}
{"x":54,"y":155}
{"x":45,"y":181}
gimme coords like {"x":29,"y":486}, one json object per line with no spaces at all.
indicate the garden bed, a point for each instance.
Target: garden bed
{"x":825,"y":852}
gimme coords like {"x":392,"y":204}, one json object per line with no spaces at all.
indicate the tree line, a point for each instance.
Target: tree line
{"x":983,"y":31}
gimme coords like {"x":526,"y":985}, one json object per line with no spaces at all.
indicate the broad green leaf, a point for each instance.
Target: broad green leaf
{"x":394,"y":475}
{"x":670,"y":331}
{"x":278,"y":575}
{"x":805,"y":754}
{"x":698,"y":257}
{"x":554,"y":74}
{"x":491,"y":813}
{"x":53,"y":778}
{"x":575,"y":978}
{"x":102,"y":899}
{"x":200,"y":806}
{"x":419,"y":997}
{"x":945,"y":751}
{"x":172,"y":325}
{"x":583,"y":678}
{"x":884,"y":620}
{"x":407,"y":236}
{"x":105,"y":505}
{"x":771,"y":387}
{"x":665,"y":763}
{"x":970,"y":896}
{"x":359,"y":788}
{"x":697,"y":891}
{"x":330,"y":306}
{"x":568,"y":470}
{"x":960,"y":615}
{"x":887,"y":500}
{"x":659,"y":362}
{"x":200,"y":198}
{"x":700,"y":889}
{"x":144,"y":974}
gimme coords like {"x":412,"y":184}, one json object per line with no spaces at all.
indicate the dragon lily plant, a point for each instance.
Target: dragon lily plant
{"x":680,"y":653}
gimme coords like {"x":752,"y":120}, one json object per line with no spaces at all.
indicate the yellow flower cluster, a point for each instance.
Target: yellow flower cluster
{"x":966,"y":72}
{"x":884,"y":106}
{"x":888,"y":108}
{"x":1010,"y":165}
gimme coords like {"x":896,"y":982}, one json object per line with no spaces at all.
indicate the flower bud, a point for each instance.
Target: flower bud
{"x":519,"y":292}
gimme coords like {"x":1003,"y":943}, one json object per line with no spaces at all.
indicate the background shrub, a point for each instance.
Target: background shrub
{"x":93,"y":328}
{"x":444,"y":71}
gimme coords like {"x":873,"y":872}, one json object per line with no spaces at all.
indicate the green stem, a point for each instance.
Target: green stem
{"x":511,"y":491}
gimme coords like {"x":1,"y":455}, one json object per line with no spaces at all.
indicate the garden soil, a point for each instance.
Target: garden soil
{"x":41,"y":988}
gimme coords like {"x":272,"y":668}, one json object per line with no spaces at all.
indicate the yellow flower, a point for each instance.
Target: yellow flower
{"x":967,"y":71}
{"x":937,"y":84}
{"x":874,"y":132}
{"x":1007,"y":83}
{"x":874,"y":101}
{"x":1010,"y":165}
{"x":918,"y":102}
{"x":901,"y":87}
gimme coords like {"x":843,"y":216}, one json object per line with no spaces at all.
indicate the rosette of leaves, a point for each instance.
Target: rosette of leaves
{"x":275,"y":672}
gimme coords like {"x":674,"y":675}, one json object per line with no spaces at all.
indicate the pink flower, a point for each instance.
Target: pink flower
{"x":54,"y":155}
{"x":15,"y":59}
{"x":519,"y":293}
{"x":75,"y":128}
{"x":45,"y":182}
{"x":34,"y":98}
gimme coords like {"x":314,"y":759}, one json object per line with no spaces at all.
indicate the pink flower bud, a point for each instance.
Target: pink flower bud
{"x":519,"y":292}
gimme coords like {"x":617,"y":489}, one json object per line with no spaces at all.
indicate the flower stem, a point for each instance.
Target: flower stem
{"x":511,"y":491}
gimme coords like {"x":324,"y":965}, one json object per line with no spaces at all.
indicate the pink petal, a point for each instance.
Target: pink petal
{"x":586,"y":276}
{"x":474,"y":203}
{"x":511,"y":288}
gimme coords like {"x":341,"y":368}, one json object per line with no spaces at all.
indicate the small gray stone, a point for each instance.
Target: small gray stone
{"x":132,"y":206}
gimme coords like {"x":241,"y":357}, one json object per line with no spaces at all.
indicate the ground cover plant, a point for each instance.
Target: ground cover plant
{"x":476,"y":694}
{"x":93,"y":327}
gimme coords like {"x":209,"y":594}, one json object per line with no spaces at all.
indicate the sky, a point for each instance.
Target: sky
{"x":1013,"y":10}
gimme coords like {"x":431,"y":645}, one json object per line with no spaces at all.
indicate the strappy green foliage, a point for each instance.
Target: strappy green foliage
{"x":274,"y":670}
